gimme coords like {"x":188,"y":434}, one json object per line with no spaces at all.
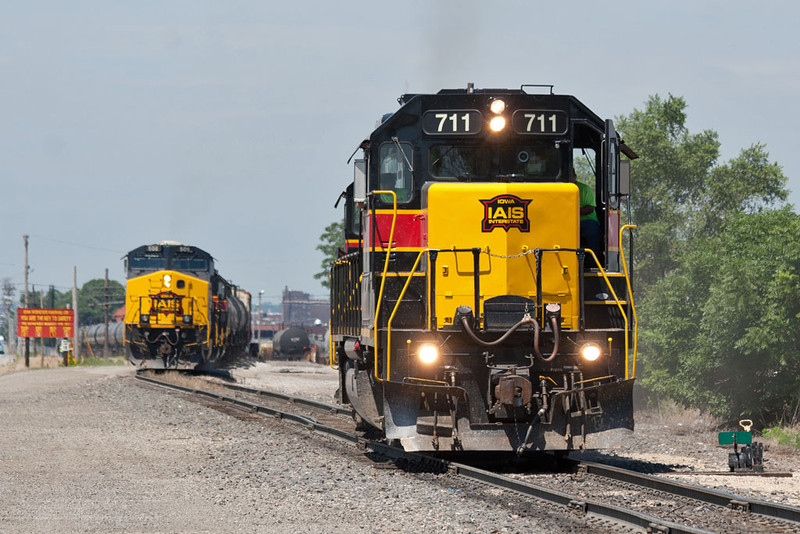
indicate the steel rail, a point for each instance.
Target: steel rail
{"x":320,"y":405}
{"x":699,"y":493}
{"x":608,"y":511}
{"x":304,"y":420}
{"x":587,"y":507}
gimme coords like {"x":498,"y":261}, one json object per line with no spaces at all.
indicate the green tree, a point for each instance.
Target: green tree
{"x":9,"y":309}
{"x":92,"y":299}
{"x":57,"y":299}
{"x":331,"y":242}
{"x":707,"y":256}
{"x":667,"y":182}
{"x":746,"y":184}
{"x":724,"y":332}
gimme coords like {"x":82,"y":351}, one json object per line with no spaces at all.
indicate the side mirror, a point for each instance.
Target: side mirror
{"x":624,"y":177}
{"x":360,"y":182}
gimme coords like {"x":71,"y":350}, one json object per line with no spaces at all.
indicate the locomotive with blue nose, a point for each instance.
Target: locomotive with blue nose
{"x":179,"y":312}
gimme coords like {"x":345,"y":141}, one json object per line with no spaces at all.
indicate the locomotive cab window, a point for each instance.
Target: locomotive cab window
{"x":519,"y":162}
{"x":395,"y":171}
{"x":190,"y":264}
{"x":529,"y":162}
{"x":466,"y":163}
{"x":352,"y":219}
{"x":147,"y":263}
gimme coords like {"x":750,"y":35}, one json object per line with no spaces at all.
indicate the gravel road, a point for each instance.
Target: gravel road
{"x":93,"y":450}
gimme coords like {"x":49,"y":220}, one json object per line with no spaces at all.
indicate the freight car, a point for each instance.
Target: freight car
{"x":94,"y":335}
{"x":179,"y":312}
{"x":469,"y":311}
{"x":291,"y":344}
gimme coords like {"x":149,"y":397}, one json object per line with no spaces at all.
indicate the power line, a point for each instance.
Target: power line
{"x":76,"y":244}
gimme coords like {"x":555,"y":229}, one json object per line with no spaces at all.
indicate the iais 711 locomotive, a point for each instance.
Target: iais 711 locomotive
{"x":179,"y":312}
{"x":467,"y":313}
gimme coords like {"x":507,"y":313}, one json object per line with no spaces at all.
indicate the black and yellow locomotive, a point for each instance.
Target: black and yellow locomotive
{"x":179,"y":312}
{"x":466,"y":313}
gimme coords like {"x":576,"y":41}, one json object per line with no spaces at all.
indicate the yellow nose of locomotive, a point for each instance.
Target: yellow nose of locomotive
{"x":508,"y":222}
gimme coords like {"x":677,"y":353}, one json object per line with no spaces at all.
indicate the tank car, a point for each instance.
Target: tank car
{"x":468,"y":313}
{"x":94,"y":335}
{"x":291,"y":344}
{"x":179,"y":312}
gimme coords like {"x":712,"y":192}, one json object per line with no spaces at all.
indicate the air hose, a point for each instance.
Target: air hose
{"x":527,"y":319}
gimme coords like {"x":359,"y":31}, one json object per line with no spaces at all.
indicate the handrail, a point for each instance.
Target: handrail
{"x":394,"y":311}
{"x":630,"y":299}
{"x":414,"y":268}
{"x":619,"y":305}
{"x":331,"y":353}
{"x":383,"y":278}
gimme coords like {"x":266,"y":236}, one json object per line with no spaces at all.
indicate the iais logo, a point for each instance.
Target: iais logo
{"x":506,"y":211}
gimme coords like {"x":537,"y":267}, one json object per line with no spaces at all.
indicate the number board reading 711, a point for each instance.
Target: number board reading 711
{"x":452,"y":122}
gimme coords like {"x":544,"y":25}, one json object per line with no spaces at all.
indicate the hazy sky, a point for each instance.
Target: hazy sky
{"x":227,"y":125}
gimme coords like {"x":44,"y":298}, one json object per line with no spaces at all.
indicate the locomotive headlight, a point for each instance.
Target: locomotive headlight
{"x":497,"y":106}
{"x":428,"y":353}
{"x":167,"y":280}
{"x":497,"y":123}
{"x":590,"y":352}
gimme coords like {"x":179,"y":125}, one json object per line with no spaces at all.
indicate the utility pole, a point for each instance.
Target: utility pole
{"x":41,"y":340}
{"x":27,"y":340}
{"x":259,"y":319}
{"x":105,"y":315}
{"x":75,"y":346}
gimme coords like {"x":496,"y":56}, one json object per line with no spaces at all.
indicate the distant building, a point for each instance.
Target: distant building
{"x":300,"y":309}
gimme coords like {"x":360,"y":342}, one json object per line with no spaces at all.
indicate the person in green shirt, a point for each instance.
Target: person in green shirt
{"x":591,"y":235}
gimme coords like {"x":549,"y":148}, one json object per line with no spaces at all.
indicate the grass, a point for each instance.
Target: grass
{"x":48,"y":362}
{"x":784,"y":435}
{"x":97,"y":362}
{"x":679,"y":419}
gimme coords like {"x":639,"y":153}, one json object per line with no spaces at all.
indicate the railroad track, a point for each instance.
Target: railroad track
{"x":669,"y":506}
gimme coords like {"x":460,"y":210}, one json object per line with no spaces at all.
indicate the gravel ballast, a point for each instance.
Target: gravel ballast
{"x":93,"y":450}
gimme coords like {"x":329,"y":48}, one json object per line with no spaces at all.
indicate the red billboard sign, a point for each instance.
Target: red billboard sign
{"x":44,"y":322}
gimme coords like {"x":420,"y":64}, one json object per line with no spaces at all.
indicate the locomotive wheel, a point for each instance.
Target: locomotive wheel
{"x":361,"y":426}
{"x":205,"y":353}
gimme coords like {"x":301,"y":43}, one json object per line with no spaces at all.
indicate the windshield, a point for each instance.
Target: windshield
{"x":186,"y":260}
{"x":189,"y":264}
{"x":474,"y":163}
{"x":147,"y":263}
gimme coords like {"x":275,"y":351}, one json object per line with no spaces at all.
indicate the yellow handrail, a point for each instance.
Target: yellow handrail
{"x":383,"y":279}
{"x":619,"y":305}
{"x":630,"y":299}
{"x":331,"y":353}
{"x":394,"y":311}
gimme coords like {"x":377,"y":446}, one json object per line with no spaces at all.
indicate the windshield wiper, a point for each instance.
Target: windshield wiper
{"x":403,"y":152}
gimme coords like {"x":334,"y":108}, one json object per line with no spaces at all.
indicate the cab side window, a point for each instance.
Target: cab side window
{"x":395,"y":173}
